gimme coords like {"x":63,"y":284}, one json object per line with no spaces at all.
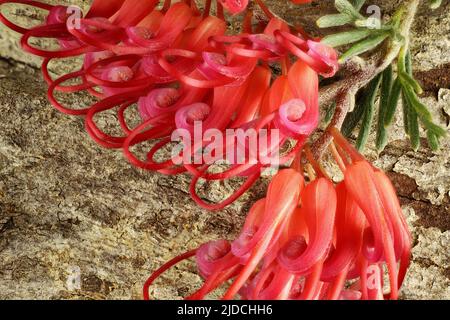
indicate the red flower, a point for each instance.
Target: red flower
{"x":318,"y":241}
{"x":386,"y":239}
{"x":178,"y":66}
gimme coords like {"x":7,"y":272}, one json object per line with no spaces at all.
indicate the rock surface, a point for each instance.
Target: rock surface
{"x":68,"y":207}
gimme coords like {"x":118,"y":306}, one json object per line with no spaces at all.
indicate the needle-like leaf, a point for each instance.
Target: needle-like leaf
{"x":354,"y":117}
{"x":339,"y":19}
{"x":345,"y":7}
{"x":368,"y":113}
{"x":343,"y":38}
{"x":433,"y":141}
{"x":329,"y":114}
{"x":366,"y":45}
{"x":413,"y":124}
{"x":386,"y":88}
{"x":411,"y":82}
{"x":358,"y":4}
{"x":394,"y":98}
{"x":334,"y":20}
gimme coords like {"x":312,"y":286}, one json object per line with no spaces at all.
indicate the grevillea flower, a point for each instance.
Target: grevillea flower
{"x":386,"y":238}
{"x":313,"y":240}
{"x":178,"y":66}
{"x":162,"y":71}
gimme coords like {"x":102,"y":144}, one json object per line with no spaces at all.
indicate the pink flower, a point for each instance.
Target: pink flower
{"x":179,"y":67}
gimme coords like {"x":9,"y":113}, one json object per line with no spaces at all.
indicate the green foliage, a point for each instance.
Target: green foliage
{"x":365,"y":36}
{"x":394,"y":97}
{"x":346,"y":8}
{"x":415,"y":113}
{"x":354,"y":118}
{"x":340,"y":19}
{"x":386,"y":87}
{"x":390,"y":88}
{"x":343,"y":38}
{"x":369,"y":112}
{"x":329,"y":114}
{"x":363,"y":46}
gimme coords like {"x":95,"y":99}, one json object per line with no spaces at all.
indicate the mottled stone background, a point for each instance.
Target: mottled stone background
{"x":67,"y":204}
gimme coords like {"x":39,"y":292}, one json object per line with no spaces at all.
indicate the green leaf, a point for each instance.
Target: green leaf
{"x":401,"y":61}
{"x":354,"y":117}
{"x":413,"y":124}
{"x":408,"y":63}
{"x":433,"y":141}
{"x":366,"y":45}
{"x":434,"y":128}
{"x":434,"y":4}
{"x":409,"y":81}
{"x":386,"y":85}
{"x":369,"y":113}
{"x":343,"y":38}
{"x":407,"y":76}
{"x":382,"y":139}
{"x":339,"y":19}
{"x":394,"y":98}
{"x":345,"y":7}
{"x":420,"y":108}
{"x":423,"y":113}
{"x":414,"y":131}
{"x":329,"y":114}
{"x":386,"y":88}
{"x":334,"y":20}
{"x":405,"y":114}
{"x":434,"y":132}
{"x":358,"y":4}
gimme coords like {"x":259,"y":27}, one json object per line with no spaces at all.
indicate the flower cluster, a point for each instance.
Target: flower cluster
{"x":178,"y":66}
{"x":313,"y":240}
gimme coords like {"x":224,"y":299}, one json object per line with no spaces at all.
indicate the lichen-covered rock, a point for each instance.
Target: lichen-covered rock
{"x":78,"y":222}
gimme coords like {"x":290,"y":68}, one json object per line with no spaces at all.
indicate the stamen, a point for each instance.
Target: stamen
{"x":312,"y":282}
{"x":297,"y":163}
{"x":265,"y":9}
{"x":344,"y":144}
{"x":311,"y":173}
{"x":335,"y":290}
{"x":337,"y":157}
{"x":247,"y":23}
{"x":207,"y":9}
{"x":166,"y":6}
{"x":220,"y":11}
{"x":163,"y":269}
{"x":285,"y":65}
{"x":316,"y":165}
